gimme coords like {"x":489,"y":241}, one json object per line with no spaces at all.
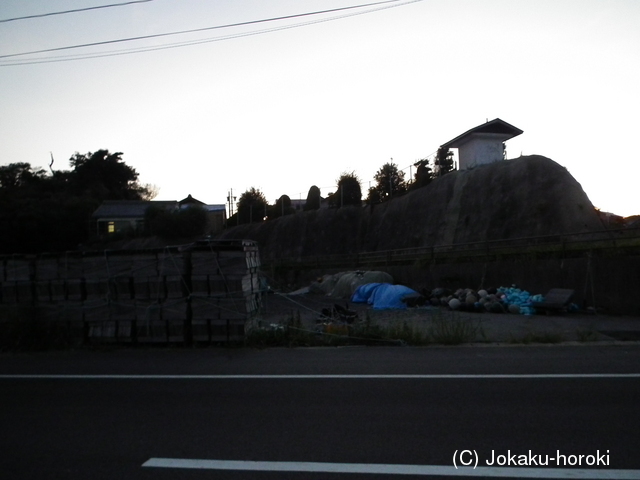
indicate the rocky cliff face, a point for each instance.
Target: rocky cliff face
{"x":528,"y":196}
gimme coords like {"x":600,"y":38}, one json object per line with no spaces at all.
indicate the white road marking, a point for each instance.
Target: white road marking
{"x":318,"y":377}
{"x":390,"y":469}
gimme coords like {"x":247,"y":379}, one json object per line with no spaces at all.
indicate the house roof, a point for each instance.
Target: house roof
{"x":214,"y":208}
{"x":495,"y":126}
{"x":137,"y":208}
{"x":129,"y":208}
{"x":190,"y":201}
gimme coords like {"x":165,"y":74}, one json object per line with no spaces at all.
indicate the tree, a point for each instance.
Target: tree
{"x":443,"y":163}
{"x":313,"y":199}
{"x":252,"y":206}
{"x":185,"y":222}
{"x":281,"y":208}
{"x":349,"y":191}
{"x":17,"y":175}
{"x":424,"y":175}
{"x":374,"y":197}
{"x":104,"y":176}
{"x":389,"y":182}
{"x":42,"y":211}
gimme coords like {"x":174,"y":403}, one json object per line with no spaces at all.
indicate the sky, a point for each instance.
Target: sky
{"x":287,"y":104}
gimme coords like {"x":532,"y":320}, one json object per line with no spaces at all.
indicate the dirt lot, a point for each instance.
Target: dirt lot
{"x":489,"y":327}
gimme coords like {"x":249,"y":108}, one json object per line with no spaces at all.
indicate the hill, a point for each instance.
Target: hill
{"x":525,"y":197}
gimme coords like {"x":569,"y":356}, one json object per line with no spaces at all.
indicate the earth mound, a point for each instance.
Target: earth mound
{"x":526,"y":197}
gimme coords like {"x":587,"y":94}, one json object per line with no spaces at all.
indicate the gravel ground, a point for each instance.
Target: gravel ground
{"x":491,"y":327}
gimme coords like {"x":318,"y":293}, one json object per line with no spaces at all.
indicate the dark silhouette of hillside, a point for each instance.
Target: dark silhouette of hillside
{"x":525,"y":197}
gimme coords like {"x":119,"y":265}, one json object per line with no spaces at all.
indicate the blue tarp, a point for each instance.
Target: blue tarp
{"x":382,"y":295}
{"x":521,"y":298}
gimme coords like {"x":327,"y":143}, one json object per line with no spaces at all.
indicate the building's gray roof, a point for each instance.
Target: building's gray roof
{"x":214,"y":208}
{"x":136,"y":209}
{"x":190,"y":201}
{"x":129,"y":208}
{"x":494,"y":126}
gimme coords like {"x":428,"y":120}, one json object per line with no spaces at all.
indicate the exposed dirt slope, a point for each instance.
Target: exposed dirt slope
{"x":528,"y":196}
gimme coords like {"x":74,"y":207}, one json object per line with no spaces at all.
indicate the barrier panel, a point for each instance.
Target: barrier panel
{"x":203,"y":292}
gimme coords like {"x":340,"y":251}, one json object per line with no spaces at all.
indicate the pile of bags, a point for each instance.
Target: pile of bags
{"x":494,"y":300}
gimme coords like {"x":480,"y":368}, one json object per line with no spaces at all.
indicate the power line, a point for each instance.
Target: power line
{"x":166,"y":34}
{"x":87,"y":56}
{"x":64,"y":12}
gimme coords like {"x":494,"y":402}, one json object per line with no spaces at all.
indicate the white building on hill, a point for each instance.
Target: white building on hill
{"x":483,"y":144}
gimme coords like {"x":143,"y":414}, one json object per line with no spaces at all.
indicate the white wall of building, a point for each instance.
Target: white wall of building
{"x":481,"y":149}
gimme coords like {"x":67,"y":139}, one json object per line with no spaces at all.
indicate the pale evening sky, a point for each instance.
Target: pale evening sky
{"x":290,"y":108}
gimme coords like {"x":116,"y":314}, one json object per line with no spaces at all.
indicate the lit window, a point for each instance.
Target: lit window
{"x":112,"y":227}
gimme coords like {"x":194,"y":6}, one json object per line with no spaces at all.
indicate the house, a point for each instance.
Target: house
{"x":483,"y":144}
{"x":125,"y":215}
{"x":216,"y":214}
{"x":128,"y":215}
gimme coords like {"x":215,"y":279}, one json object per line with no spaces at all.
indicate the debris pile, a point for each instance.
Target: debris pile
{"x":495,"y":300}
{"x":385,"y":296}
{"x":376,"y":288}
{"x":344,"y":284}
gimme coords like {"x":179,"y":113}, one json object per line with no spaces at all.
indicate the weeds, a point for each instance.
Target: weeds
{"x":586,"y":335}
{"x":454,"y":330}
{"x":409,"y":334}
{"x":441,"y":328}
{"x":287,"y":333}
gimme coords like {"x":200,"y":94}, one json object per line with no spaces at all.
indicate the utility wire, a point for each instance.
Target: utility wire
{"x":64,"y":12}
{"x":157,"y":35}
{"x":86,"y":56}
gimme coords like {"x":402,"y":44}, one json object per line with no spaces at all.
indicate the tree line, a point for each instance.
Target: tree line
{"x":50,"y":211}
{"x":390,"y":182}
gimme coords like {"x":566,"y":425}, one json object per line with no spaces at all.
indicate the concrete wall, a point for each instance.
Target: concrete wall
{"x":201,"y":292}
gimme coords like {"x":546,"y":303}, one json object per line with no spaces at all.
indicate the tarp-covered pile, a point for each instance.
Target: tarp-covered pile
{"x":384,"y":296}
{"x":344,"y":284}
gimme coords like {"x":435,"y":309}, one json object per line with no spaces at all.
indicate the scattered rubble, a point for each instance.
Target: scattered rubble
{"x":495,"y":300}
{"x":376,"y":288}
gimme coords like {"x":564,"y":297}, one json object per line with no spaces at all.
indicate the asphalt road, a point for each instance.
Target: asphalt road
{"x":349,"y":409}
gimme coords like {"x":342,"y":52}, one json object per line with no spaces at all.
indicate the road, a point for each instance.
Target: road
{"x":130,"y":413}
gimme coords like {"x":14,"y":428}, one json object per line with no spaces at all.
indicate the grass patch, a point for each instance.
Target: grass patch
{"x":446,"y":328}
{"x":454,"y":330}
{"x":409,"y":334}
{"x":291,"y":333}
{"x":586,"y":335}
{"x":287,"y":333}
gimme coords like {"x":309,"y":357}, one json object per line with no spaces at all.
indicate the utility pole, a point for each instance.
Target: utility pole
{"x":390,"y":182}
{"x":231,"y":199}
